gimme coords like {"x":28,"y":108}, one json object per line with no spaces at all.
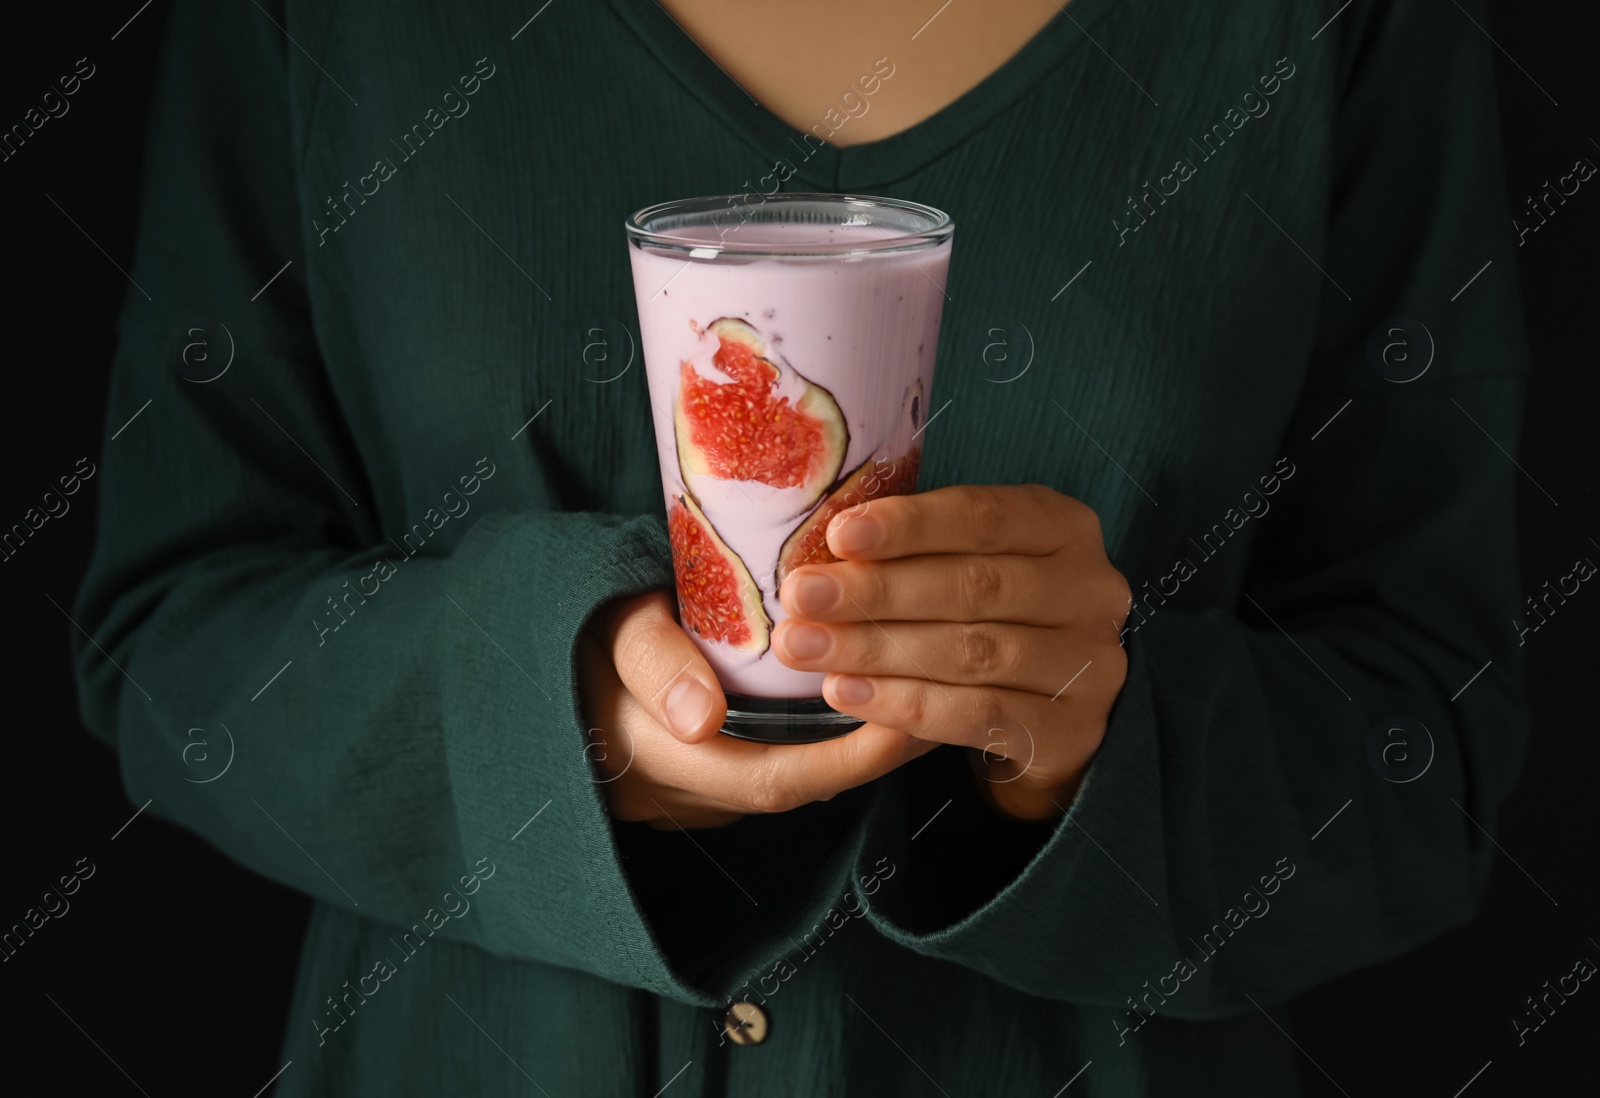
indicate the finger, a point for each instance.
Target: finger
{"x":678,"y":782}
{"x":1020,"y":518}
{"x":1015,"y":792}
{"x":629,"y":749}
{"x":662,"y":668}
{"x":964,"y":653}
{"x":1026,"y":730}
{"x":602,"y":700}
{"x":754,"y":777}
{"x":948,"y":587}
{"x":666,"y":809}
{"x":1018,"y":737}
{"x":800,"y":774}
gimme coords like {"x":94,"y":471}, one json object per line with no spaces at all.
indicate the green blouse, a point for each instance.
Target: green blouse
{"x":391,"y":452}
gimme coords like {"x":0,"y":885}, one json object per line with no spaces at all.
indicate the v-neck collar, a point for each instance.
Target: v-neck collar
{"x":875,"y":163}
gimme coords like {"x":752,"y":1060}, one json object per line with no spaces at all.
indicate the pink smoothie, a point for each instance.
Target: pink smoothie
{"x":784,"y":390}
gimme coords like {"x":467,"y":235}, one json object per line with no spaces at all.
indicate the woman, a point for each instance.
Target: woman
{"x":1209,"y":594}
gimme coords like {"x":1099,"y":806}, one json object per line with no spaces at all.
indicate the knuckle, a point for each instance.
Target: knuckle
{"x":915,"y":705}
{"x":1085,"y":520}
{"x":1077,"y":517}
{"x":985,"y":514}
{"x":1112,"y":597}
{"x":771,"y":792}
{"x":981,"y":649}
{"x":869,"y":587}
{"x":642,"y":645}
{"x":1116,"y":673}
{"x":1089,"y":519}
{"x":979,"y":584}
{"x":1043,"y":497}
{"x":625,"y":646}
{"x":1119,"y":591}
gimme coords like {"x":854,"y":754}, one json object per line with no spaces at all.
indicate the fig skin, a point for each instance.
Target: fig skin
{"x":697,"y":614}
{"x":815,"y":404}
{"x":872,"y":479}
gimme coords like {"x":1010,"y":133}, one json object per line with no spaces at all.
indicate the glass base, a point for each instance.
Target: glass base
{"x":785,"y":720}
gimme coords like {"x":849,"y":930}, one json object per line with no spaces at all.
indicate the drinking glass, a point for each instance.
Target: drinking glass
{"x":789,"y":347}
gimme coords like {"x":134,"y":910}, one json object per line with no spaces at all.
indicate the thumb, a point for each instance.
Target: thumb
{"x":663,"y":670}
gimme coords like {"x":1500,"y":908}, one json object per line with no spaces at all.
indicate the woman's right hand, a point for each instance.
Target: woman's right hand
{"x":655,"y":708}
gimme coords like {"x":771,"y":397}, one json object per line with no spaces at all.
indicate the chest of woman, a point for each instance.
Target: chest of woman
{"x":1130,"y":312}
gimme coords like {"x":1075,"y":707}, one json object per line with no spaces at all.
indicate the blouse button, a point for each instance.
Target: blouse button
{"x":745,"y":1023}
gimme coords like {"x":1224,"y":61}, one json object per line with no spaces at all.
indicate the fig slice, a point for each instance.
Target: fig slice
{"x":717,"y":597}
{"x":872,"y":479}
{"x":742,"y":430}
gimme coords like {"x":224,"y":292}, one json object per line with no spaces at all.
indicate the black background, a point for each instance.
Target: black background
{"x":179,"y":963}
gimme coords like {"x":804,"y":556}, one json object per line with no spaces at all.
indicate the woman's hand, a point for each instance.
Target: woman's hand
{"x":655,"y":707}
{"x":988,"y":617}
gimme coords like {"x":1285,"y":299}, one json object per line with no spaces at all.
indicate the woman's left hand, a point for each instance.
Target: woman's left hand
{"x":987,"y":617}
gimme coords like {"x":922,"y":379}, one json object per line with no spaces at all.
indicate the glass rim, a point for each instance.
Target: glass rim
{"x":939,"y":229}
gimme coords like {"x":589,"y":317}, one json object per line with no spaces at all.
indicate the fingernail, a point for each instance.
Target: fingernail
{"x":805,"y":642}
{"x":852,"y":689}
{"x":815,"y":594}
{"x":688,"y":706}
{"x":856,"y":533}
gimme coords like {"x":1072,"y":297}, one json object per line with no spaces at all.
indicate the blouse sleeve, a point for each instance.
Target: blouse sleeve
{"x":428,"y":758}
{"x":1248,"y":826}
